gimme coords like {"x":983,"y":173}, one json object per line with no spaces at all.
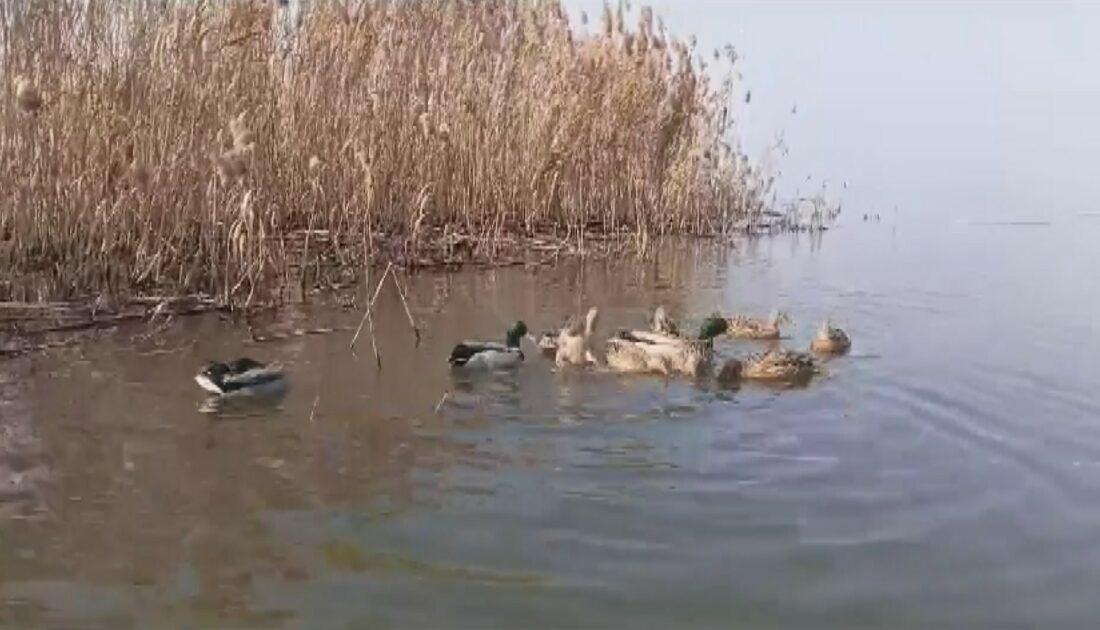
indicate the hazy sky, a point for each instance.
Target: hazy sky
{"x":977,"y":109}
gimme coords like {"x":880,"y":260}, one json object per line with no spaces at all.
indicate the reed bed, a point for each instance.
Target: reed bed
{"x":220,"y":148}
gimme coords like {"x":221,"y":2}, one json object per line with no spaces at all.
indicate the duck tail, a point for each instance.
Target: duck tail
{"x":591,"y":321}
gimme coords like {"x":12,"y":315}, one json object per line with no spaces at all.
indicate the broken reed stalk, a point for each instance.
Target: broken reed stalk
{"x":368,"y":317}
{"x":408,"y":312}
{"x":442,"y":401}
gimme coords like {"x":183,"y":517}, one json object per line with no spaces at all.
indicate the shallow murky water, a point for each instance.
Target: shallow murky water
{"x":944,"y":474}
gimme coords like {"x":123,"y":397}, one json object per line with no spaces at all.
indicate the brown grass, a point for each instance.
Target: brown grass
{"x":181,"y":147}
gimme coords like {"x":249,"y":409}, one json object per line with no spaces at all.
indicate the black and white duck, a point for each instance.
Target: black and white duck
{"x":491,"y":355}
{"x":241,"y":377}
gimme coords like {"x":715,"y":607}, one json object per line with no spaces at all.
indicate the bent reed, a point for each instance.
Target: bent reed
{"x":201,"y":147}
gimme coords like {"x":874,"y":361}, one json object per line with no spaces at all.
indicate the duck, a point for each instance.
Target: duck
{"x":636,"y":351}
{"x":773,"y":366}
{"x":830,"y":340}
{"x":745,"y":327}
{"x":629,"y":355}
{"x":491,"y":355}
{"x":574,"y":346}
{"x":241,"y":377}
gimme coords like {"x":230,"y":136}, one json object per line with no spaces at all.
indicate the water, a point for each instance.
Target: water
{"x":942,"y":475}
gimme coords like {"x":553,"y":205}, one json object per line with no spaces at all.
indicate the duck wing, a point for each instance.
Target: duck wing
{"x":251,"y":378}
{"x":463,"y":352}
{"x":630,"y":336}
{"x":645,"y":336}
{"x":243,"y":365}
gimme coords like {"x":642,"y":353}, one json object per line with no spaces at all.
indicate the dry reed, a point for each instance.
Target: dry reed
{"x":188,"y":147}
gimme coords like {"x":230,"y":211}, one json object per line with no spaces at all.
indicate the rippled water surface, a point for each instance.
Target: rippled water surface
{"x":945,"y":474}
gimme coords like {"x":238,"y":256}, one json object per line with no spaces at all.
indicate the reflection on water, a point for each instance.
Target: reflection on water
{"x":941,"y":475}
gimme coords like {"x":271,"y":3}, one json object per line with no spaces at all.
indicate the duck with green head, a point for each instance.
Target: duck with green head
{"x":491,"y":355}
{"x":637,"y":351}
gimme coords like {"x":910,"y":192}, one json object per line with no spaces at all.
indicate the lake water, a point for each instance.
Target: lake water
{"x":944,"y":474}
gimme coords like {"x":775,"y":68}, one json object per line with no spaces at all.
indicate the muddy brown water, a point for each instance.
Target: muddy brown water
{"x":944,"y":474}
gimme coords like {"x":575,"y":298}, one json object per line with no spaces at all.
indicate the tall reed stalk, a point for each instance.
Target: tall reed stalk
{"x":190,"y":146}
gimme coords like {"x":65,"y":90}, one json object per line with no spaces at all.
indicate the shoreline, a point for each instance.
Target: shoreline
{"x":34,"y":325}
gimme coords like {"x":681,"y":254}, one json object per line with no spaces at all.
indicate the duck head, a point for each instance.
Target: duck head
{"x":212,"y":377}
{"x":712,"y":327}
{"x":516,"y":333}
{"x":216,"y":372}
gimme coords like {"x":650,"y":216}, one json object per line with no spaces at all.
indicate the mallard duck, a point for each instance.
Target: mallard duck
{"x":773,"y":366}
{"x":829,"y":340}
{"x":637,"y":351}
{"x":574,"y":346}
{"x":745,"y":327}
{"x":241,"y":377}
{"x":491,"y":354}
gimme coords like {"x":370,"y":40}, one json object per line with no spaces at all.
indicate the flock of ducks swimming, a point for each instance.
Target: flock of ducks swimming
{"x":664,"y":349}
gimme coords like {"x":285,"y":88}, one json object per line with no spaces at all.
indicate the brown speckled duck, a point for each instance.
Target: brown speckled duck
{"x":830,"y":340}
{"x":745,"y":327}
{"x":773,"y":366}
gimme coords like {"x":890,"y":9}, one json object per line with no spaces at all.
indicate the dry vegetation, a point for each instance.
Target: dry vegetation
{"x":184,"y":147}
